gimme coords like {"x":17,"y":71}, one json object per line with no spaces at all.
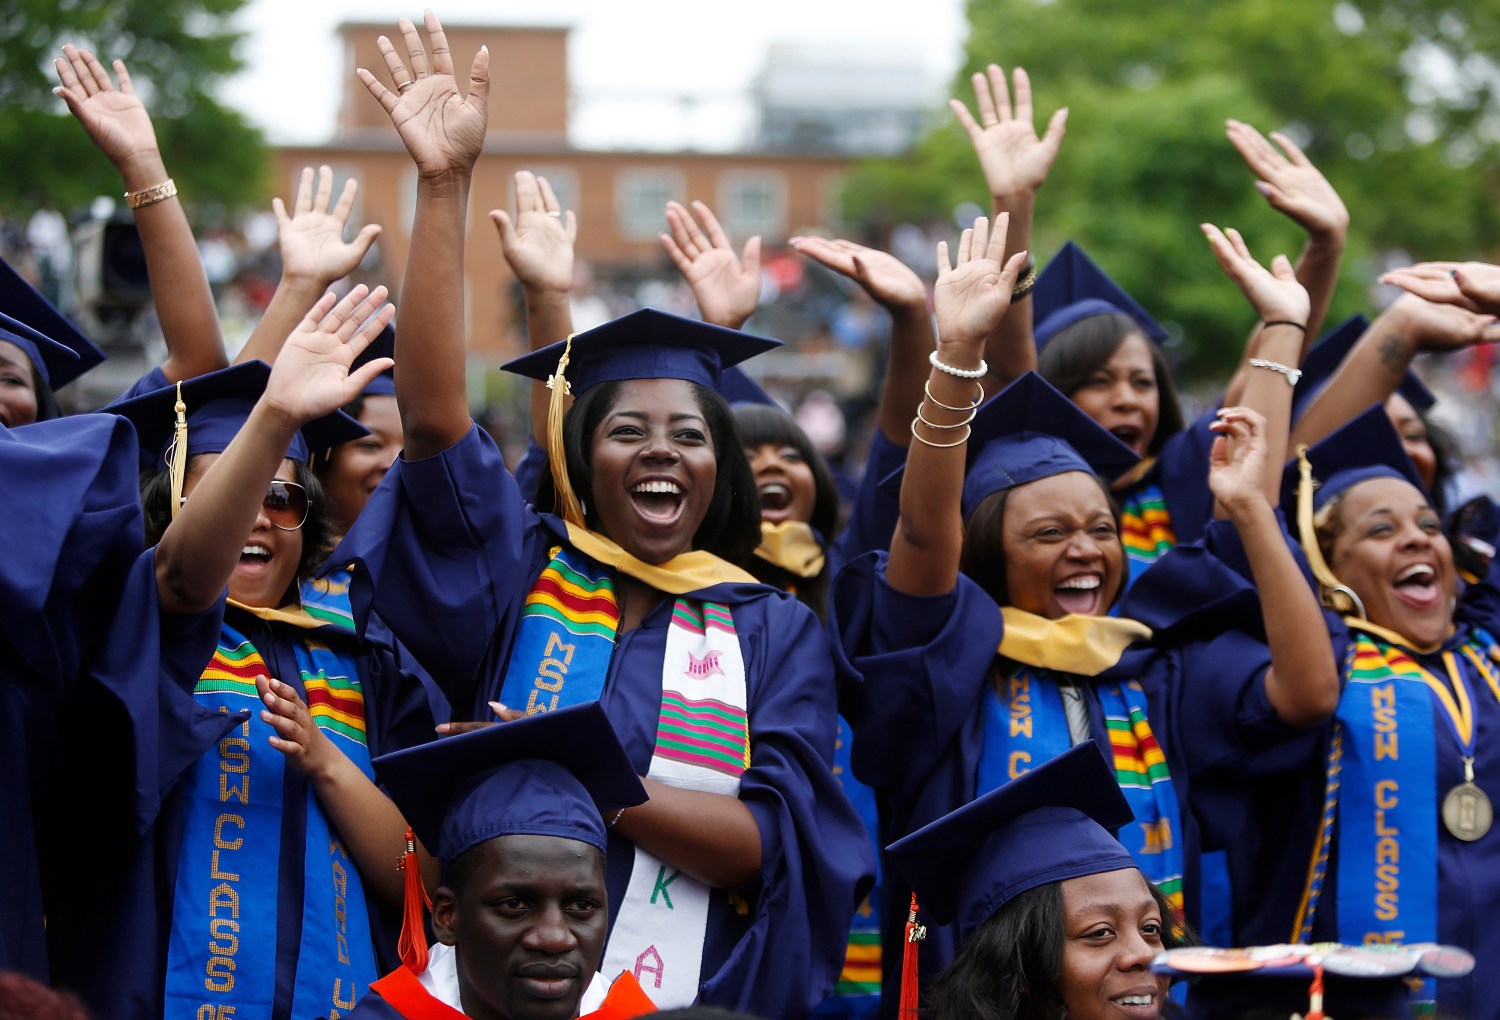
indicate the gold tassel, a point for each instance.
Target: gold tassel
{"x":177,"y":453}
{"x":1333,"y":593}
{"x":557,"y":453}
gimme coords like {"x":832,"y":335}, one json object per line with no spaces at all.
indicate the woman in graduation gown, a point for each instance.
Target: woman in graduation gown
{"x":259,"y":887}
{"x":747,"y":857}
{"x":1377,"y":828}
{"x":1021,"y":520}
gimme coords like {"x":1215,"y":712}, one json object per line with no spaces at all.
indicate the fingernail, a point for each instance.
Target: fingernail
{"x":442,"y":727}
{"x":497,"y":708}
{"x":1262,"y":187}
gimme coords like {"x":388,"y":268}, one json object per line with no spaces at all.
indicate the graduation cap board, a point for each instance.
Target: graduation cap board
{"x":1049,"y":825}
{"x":549,"y":774}
{"x":1358,"y":981}
{"x":55,"y":347}
{"x":1073,"y":288}
{"x":217,"y":405}
{"x":383,"y":346}
{"x":1329,"y":352}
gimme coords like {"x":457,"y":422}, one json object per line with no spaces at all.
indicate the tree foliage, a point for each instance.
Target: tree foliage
{"x":1396,"y":101}
{"x":177,"y":50}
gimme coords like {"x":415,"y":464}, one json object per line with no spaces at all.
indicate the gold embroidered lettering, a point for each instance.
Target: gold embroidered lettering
{"x":1020,"y":763}
{"x":1020,"y":707}
{"x":353,"y":994}
{"x":219,"y":840}
{"x":223,"y":937}
{"x":1383,"y":701}
{"x":224,"y":897}
{"x":220,"y":974}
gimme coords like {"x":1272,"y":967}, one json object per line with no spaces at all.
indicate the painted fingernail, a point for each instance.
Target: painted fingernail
{"x":497,"y":708}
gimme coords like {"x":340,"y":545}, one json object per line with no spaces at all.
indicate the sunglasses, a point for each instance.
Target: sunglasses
{"x":285,"y":504}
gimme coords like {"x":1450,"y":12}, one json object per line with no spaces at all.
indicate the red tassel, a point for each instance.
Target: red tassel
{"x":412,"y":945}
{"x":1315,"y":995}
{"x":915,"y":934}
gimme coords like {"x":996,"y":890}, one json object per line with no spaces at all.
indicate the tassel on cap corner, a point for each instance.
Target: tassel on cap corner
{"x":1334,"y":593}
{"x":1315,"y":994}
{"x":916,"y":934}
{"x":568,"y":504}
{"x":177,"y":452}
{"x":412,"y":943}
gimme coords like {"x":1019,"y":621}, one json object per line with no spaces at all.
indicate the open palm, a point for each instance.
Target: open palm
{"x":973,"y":296}
{"x":115,"y":119}
{"x":311,"y":376}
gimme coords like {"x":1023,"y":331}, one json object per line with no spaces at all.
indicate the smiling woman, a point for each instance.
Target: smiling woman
{"x":747,"y":853}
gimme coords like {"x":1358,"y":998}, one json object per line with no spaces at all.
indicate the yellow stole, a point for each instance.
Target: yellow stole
{"x":1081,"y":645}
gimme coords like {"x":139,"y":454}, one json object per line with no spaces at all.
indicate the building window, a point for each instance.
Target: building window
{"x":564,"y":181}
{"x":641,"y":198}
{"x":753,"y":202}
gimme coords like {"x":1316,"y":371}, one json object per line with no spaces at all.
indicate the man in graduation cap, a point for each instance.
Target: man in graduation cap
{"x":517,"y":816}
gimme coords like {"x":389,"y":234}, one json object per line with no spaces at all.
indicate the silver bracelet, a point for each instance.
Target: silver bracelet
{"x":1291,"y":374}
{"x":978,"y":373}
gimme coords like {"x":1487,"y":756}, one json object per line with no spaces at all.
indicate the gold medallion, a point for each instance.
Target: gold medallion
{"x":1467,"y":812}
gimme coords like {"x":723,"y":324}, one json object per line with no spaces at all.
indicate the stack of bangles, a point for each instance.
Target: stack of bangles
{"x":971,"y":409}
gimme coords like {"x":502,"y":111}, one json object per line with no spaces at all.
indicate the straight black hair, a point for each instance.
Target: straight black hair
{"x":731,"y":527}
{"x":762,"y":425}
{"x":1071,"y":358}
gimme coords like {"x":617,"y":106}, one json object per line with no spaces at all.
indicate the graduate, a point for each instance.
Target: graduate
{"x":747,"y":854}
{"x":260,"y":886}
{"x":72,"y":525}
{"x":981,"y":645}
{"x":1052,"y":915}
{"x":517,"y":815}
{"x":1378,"y":827}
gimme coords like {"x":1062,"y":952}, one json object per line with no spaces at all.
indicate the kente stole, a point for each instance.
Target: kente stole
{"x":1145,"y":528}
{"x":1025,"y":724}
{"x":1384,"y":797}
{"x":561,"y":657}
{"x":222,"y":949}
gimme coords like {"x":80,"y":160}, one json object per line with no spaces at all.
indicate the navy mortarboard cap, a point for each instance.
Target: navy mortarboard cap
{"x":1357,"y":981}
{"x":646,"y":344}
{"x":1329,"y":352}
{"x":1031,"y":431}
{"x":548,"y":774}
{"x":383,"y":346}
{"x":55,"y":346}
{"x":1364,"y":448}
{"x":1073,"y":288}
{"x":738,"y":388}
{"x":217,"y":405}
{"x":1050,"y":824}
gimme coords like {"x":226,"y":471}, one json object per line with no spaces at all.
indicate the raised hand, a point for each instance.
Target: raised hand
{"x":971,"y":297}
{"x":312,"y":237}
{"x":1438,"y":328}
{"x":1290,"y":182}
{"x":1014,"y":160}
{"x":889,"y":281}
{"x":307,"y":748}
{"x":115,"y":119}
{"x":1275,"y":293}
{"x":1474,"y":286}
{"x":726,"y":285}
{"x":1237,"y":460}
{"x":538,"y":243}
{"x":311,"y":375}
{"x":443,"y":131}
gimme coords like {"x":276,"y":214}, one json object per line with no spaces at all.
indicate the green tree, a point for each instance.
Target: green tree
{"x":177,"y":50}
{"x":1394,"y":100}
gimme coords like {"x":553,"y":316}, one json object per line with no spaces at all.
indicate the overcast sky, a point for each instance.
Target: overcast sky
{"x":632,"y":62}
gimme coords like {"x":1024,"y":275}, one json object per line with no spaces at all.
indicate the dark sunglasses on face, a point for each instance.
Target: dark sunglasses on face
{"x":285,"y":504}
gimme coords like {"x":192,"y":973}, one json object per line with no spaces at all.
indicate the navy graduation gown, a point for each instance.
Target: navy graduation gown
{"x":446,"y":551}
{"x":914,"y":673}
{"x":118,"y":958}
{"x":73,"y":529}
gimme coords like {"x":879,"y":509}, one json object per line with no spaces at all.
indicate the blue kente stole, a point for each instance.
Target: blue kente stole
{"x":223,"y":945}
{"x":1145,"y":528}
{"x":565,"y":638}
{"x":1025,"y":725}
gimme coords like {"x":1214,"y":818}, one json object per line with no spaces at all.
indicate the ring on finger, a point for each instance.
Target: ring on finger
{"x":555,"y":213}
{"x":406,"y":85}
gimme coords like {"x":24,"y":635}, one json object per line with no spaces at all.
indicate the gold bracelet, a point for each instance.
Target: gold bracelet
{"x":927,"y":389}
{"x":1026,"y":282}
{"x":937,"y":446}
{"x":958,"y":425}
{"x":150,"y":196}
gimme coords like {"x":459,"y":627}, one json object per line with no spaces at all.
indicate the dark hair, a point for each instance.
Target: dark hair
{"x":317,"y":530}
{"x":730,"y":529}
{"x":982,"y":559}
{"x":1012,"y":968}
{"x":1071,"y":358}
{"x":1446,"y":459}
{"x":47,"y":405}
{"x":763,"y":425}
